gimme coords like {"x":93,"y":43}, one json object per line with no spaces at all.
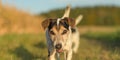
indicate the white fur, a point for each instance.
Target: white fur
{"x":75,"y":40}
{"x":58,"y":21}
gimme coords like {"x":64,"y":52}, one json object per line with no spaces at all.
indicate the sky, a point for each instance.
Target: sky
{"x":39,"y":6}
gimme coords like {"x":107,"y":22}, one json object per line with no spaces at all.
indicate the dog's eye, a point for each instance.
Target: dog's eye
{"x":51,"y":32}
{"x":64,"y":32}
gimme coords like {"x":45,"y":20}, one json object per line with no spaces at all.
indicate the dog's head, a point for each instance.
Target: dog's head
{"x":59,"y":29}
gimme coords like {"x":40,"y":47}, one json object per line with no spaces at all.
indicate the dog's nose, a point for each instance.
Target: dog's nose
{"x":58,"y":46}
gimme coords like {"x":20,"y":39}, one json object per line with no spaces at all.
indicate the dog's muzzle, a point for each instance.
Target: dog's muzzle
{"x":58,"y":48}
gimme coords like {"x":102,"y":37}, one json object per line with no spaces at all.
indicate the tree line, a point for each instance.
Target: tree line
{"x":99,"y":15}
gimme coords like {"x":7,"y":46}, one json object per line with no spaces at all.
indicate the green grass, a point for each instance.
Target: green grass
{"x":33,"y":47}
{"x":111,"y":39}
{"x":22,"y":47}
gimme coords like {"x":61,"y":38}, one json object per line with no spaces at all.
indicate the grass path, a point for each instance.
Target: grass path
{"x":92,"y":50}
{"x":33,"y":47}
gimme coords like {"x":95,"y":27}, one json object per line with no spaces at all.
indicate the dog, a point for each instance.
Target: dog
{"x":62,"y":35}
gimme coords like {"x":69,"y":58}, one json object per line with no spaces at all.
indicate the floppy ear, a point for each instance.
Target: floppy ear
{"x":70,"y":22}
{"x":45,"y":23}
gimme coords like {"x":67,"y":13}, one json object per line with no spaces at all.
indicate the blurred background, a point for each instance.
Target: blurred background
{"x":22,"y":37}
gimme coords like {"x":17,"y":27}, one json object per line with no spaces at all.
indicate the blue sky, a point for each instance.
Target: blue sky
{"x":39,"y":6}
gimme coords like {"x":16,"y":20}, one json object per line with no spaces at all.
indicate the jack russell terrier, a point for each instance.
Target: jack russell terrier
{"x":62,"y":35}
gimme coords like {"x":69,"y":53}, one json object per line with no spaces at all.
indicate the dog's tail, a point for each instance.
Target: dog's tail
{"x":78,"y":19}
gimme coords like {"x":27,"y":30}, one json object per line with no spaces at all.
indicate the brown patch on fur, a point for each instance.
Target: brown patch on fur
{"x":70,"y":21}
{"x":45,"y":23}
{"x":66,"y":22}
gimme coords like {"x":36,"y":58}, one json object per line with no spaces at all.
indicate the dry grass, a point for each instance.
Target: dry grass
{"x":84,"y":29}
{"x":16,"y":21}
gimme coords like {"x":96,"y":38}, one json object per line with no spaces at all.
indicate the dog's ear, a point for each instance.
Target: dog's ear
{"x":45,"y":23}
{"x":67,"y":12}
{"x":70,"y":22}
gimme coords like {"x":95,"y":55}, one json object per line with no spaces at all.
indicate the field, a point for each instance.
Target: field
{"x":22,"y":38}
{"x":33,"y":46}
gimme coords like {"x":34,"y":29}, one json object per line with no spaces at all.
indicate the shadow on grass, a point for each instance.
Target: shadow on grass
{"x":43,"y":48}
{"x":41,"y":45}
{"x":23,"y":53}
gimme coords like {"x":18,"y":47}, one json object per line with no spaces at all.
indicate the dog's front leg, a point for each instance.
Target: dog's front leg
{"x":65,"y":56}
{"x":51,"y":55}
{"x":69,"y":55}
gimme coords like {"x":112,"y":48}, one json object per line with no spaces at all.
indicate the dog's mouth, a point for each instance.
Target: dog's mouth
{"x":59,"y":50}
